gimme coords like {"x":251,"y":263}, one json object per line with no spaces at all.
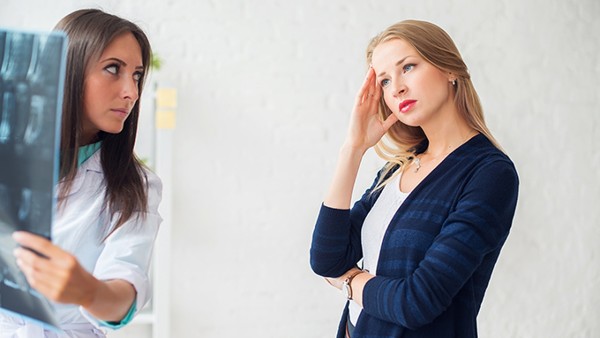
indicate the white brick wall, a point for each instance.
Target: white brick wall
{"x":265,"y":89}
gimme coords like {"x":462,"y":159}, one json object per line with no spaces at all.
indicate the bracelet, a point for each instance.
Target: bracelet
{"x":346,"y":287}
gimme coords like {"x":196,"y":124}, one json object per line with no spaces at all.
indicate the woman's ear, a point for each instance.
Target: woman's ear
{"x":452,"y":79}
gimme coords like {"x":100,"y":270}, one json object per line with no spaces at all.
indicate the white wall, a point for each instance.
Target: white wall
{"x":265,"y":90}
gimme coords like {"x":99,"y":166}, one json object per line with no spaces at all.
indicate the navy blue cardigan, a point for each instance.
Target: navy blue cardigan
{"x":438,"y":252}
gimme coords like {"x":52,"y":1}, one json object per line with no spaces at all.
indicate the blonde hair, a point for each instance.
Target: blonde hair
{"x":401,"y":142}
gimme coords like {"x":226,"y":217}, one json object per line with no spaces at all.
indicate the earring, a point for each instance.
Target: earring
{"x":454,"y":82}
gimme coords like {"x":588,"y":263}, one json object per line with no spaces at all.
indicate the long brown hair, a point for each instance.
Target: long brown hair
{"x":89,"y":32}
{"x":402,"y":142}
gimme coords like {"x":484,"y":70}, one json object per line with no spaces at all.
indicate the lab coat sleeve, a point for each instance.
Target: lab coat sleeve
{"x":128,"y":250}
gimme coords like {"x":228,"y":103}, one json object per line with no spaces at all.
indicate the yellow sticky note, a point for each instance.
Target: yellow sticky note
{"x":166,"y":98}
{"x":165,"y":119}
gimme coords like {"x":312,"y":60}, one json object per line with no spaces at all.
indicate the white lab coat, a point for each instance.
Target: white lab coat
{"x":79,"y":228}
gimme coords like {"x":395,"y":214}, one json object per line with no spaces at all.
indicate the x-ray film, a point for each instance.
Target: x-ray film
{"x":32,"y":68}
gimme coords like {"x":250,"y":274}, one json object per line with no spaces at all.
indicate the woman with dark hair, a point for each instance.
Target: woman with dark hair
{"x":431,"y":227}
{"x":96,"y":268}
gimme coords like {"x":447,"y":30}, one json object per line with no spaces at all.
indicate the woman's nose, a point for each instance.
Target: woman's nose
{"x":399,"y":88}
{"x":129,"y":89}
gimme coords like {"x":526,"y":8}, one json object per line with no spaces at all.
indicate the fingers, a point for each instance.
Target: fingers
{"x":34,"y":268}
{"x":52,"y":288}
{"x":37,"y":243}
{"x":35,"y":273}
{"x":389,"y":121}
{"x":369,"y":88}
{"x":57,"y":266}
{"x":376,"y":90}
{"x":52,"y":264}
{"x":57,"y":279}
{"x":59,"y":276}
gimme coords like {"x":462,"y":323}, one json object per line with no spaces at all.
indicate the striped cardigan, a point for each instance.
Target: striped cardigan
{"x":438,"y":252}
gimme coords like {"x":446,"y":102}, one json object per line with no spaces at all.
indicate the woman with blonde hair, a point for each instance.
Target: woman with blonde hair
{"x":429,"y":231}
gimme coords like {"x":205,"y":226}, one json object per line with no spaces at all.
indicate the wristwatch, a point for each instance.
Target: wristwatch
{"x":346,"y":287}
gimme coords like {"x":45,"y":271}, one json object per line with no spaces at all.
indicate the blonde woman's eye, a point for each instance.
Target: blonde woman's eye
{"x":408,"y":67}
{"x":384,"y":83}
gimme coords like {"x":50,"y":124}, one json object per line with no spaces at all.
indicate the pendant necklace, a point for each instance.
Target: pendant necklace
{"x":418,"y":163}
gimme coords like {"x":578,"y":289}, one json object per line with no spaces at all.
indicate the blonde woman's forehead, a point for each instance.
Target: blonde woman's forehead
{"x":391,"y":52}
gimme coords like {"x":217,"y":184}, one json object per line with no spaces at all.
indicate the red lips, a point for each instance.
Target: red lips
{"x":406,"y":105}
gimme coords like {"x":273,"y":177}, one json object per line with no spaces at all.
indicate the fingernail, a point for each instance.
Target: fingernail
{"x":16,"y":235}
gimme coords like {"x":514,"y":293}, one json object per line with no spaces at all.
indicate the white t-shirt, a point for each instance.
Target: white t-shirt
{"x":374,"y":228}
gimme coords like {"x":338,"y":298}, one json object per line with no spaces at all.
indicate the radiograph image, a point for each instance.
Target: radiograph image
{"x":31,"y":80}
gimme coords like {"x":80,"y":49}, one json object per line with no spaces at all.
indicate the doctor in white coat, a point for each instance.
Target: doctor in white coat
{"x":96,"y":268}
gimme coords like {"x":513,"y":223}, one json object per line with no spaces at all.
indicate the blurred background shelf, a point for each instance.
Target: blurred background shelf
{"x":154,"y":146}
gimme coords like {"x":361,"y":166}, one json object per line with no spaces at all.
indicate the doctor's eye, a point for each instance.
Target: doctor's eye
{"x":112,"y":68}
{"x":138,"y":76}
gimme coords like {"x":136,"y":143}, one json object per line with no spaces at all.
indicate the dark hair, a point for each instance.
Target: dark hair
{"x":89,"y":32}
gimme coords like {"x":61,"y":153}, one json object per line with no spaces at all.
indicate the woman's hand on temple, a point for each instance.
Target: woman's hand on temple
{"x":58,"y":276}
{"x":366,"y":127}
{"x":365,"y":130}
